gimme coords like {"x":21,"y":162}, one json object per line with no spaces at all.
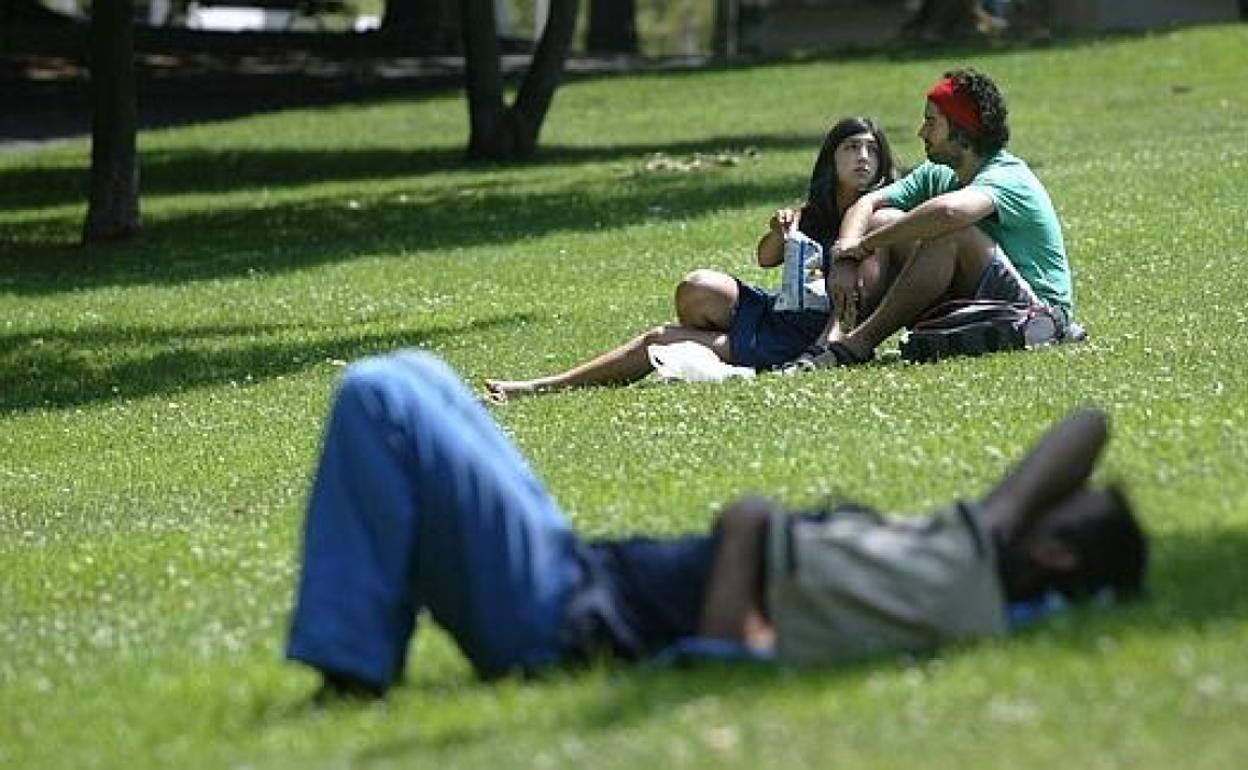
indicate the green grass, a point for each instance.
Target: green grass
{"x":160,"y":407}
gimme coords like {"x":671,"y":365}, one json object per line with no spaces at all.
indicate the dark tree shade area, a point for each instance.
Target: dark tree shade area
{"x":498,"y":130}
{"x":26,"y":10}
{"x":427,"y":25}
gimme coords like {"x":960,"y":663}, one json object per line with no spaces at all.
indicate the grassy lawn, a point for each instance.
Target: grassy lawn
{"x":161,"y":403}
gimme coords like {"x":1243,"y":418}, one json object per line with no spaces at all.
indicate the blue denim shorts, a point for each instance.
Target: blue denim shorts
{"x":762,"y":337}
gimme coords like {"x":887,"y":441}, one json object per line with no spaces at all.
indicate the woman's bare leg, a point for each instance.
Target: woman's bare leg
{"x":627,"y":363}
{"x":705,"y":299}
{"x":704,"y":305}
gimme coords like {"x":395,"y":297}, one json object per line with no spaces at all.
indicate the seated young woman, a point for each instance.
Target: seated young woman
{"x":738,"y":321}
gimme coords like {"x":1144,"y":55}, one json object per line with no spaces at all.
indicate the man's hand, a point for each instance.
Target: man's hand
{"x":843,"y":292}
{"x":849,"y":249}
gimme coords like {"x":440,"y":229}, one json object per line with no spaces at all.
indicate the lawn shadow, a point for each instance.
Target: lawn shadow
{"x":280,"y":237}
{"x":231,"y":88}
{"x":206,"y":170}
{"x":1198,"y":578}
{"x":56,"y":369}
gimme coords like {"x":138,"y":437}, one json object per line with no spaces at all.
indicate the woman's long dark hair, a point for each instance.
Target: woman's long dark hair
{"x":823,"y":181}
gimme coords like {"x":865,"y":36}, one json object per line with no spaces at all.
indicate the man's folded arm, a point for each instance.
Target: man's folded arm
{"x":732,"y":606}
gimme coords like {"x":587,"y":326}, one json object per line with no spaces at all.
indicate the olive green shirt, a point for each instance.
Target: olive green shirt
{"x":856,"y":583}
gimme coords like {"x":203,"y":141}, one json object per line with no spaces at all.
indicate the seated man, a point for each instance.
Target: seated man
{"x":973,"y":222}
{"x":421,"y":503}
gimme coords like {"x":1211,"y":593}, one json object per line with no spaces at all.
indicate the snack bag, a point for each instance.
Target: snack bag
{"x":801,"y":279}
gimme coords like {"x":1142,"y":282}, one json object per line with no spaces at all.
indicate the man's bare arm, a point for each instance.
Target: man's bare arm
{"x":931,"y":219}
{"x":732,"y":607}
{"x":858,"y":216}
{"x":1059,"y":463}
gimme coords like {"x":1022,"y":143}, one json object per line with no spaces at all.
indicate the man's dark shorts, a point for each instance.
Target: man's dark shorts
{"x":1002,"y":281}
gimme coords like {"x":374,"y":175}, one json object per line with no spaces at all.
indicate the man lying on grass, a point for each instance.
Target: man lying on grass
{"x":421,"y":502}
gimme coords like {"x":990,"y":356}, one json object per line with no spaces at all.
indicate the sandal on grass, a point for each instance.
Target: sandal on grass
{"x":824,"y":356}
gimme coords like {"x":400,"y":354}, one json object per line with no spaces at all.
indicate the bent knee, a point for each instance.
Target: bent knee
{"x":705,"y":297}
{"x":367,"y":373}
{"x":378,"y":374}
{"x":969,"y":238}
{"x":700,"y":284}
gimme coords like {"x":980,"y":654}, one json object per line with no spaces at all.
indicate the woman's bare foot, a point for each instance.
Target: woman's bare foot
{"x":498,"y":391}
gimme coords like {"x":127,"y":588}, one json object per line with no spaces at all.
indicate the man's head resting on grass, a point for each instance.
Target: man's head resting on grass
{"x":1088,"y":546}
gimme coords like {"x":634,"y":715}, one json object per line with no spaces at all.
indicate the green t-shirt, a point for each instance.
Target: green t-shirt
{"x":1024,"y":225}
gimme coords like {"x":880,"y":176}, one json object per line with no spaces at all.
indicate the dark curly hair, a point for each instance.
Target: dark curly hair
{"x":994,"y":130}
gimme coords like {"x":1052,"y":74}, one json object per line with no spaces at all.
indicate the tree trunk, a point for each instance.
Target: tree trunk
{"x":540,"y":82}
{"x":483,"y":78}
{"x":113,"y":205}
{"x":498,"y":131}
{"x":612,"y":26}
{"x":726,"y":39}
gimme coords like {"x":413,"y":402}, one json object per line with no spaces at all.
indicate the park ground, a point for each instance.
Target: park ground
{"x":161,"y":405}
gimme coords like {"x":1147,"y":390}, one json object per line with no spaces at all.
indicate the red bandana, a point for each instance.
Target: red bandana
{"x":960,"y":109}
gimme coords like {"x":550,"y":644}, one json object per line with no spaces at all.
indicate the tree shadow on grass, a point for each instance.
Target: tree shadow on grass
{"x":60,"y":109}
{"x":240,"y":241}
{"x":57,"y":369}
{"x":205,"y":170}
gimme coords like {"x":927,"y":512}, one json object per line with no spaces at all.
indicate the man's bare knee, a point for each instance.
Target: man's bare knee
{"x":942,"y":248}
{"x":972,"y":251}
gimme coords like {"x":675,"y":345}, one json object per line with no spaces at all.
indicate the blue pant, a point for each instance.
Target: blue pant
{"x":420,"y":502}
